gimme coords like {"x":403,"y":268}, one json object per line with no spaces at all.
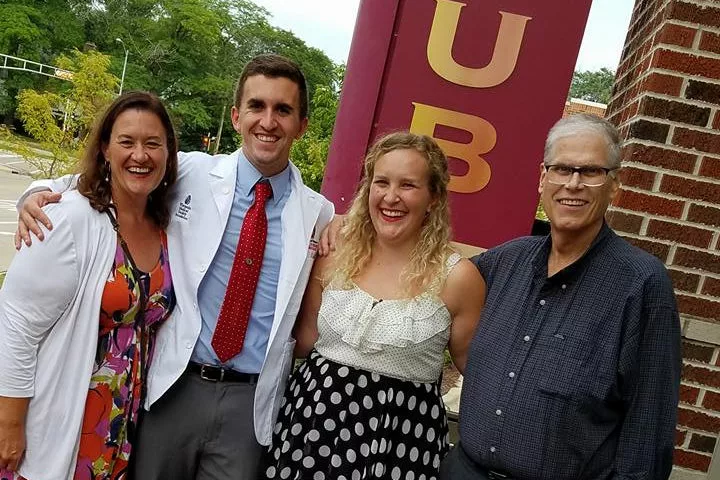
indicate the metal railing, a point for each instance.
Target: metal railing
{"x":14,"y":63}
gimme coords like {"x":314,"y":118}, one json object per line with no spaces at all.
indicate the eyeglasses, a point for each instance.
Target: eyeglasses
{"x":590,"y":176}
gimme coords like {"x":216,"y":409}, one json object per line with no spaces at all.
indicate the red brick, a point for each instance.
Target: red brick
{"x":704,"y":214}
{"x":691,"y":460}
{"x":689,"y":188}
{"x":710,"y":167}
{"x":711,"y":287}
{"x":647,"y":130}
{"x":683,"y":281}
{"x":684,"y":234}
{"x":710,"y":42}
{"x":637,"y":177}
{"x":689,"y":394}
{"x":663,"y":83}
{"x":716,"y":121}
{"x":702,"y":443}
{"x":624,"y":222}
{"x":675,"y":111}
{"x":659,"y":157}
{"x":701,"y":308}
{"x":703,"y":141}
{"x":672,"y":34}
{"x":641,"y":202}
{"x":693,"y":13}
{"x":680,"y":437}
{"x":660,"y":250}
{"x":703,"y":91}
{"x":712,"y":401}
{"x":698,"y":420}
{"x":697,"y":259}
{"x":697,"y":352}
{"x":686,"y":63}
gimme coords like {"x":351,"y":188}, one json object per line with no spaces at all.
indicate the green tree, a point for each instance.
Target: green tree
{"x":593,"y":86}
{"x":91,"y":91}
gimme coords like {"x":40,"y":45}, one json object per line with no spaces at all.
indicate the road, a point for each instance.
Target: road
{"x":11,"y":186}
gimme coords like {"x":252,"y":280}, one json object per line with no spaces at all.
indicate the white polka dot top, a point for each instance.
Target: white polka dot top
{"x":402,"y":338}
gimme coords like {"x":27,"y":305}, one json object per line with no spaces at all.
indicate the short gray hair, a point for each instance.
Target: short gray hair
{"x":585,"y":123}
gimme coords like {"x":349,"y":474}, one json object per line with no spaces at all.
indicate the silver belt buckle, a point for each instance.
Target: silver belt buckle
{"x":204,"y":377}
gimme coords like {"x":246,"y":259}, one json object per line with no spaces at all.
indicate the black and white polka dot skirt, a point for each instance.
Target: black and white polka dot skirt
{"x":342,"y":423}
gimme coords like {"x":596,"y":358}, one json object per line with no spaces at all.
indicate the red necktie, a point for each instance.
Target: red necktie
{"x":234,"y":315}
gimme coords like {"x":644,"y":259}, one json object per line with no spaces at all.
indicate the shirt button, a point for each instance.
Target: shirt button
{"x":526,"y":338}
{"x":226,"y":190}
{"x":493,"y":449}
{"x":194,"y":306}
{"x":203,"y":267}
{"x":498,"y":412}
{"x":511,"y":374}
{"x":188,"y":345}
{"x":542,"y":302}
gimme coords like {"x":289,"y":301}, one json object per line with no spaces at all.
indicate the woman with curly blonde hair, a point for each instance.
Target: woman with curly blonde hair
{"x":376,"y":319}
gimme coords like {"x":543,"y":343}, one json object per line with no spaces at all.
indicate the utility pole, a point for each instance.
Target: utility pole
{"x":122,"y":78}
{"x":217,"y":137}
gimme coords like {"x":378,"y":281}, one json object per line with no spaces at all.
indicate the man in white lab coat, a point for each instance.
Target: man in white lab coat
{"x":208,"y":418}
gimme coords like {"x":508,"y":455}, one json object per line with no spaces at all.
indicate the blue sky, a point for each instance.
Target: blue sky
{"x":328,"y":25}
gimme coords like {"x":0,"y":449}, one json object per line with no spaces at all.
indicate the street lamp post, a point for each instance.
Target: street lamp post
{"x":122,"y":78}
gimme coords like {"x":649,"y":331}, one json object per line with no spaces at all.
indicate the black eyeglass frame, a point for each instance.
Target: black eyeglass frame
{"x":579,"y":171}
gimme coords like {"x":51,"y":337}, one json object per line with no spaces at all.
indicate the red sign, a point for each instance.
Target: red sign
{"x":487,"y":79}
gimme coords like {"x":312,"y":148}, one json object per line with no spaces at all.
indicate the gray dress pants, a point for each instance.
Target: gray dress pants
{"x":199,"y":430}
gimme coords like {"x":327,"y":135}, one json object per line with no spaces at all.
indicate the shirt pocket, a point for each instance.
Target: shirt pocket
{"x":564,"y":361}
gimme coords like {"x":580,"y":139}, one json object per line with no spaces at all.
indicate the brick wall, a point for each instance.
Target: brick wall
{"x":666,"y":102}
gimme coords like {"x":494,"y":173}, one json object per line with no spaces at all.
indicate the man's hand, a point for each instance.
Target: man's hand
{"x":328,"y":237}
{"x":31,"y":214}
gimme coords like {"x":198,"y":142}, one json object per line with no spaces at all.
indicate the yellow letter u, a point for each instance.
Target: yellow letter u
{"x":505,"y":55}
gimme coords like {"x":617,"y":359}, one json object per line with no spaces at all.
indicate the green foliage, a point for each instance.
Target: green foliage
{"x":189,"y":52}
{"x":91,"y":91}
{"x":310,"y":153}
{"x":593,"y":86}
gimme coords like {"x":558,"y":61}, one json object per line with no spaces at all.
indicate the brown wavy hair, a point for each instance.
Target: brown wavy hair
{"x":94,"y":168}
{"x":426,"y":271}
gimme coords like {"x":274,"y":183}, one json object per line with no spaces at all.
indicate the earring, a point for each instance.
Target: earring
{"x":164,"y":183}
{"x":107,"y":172}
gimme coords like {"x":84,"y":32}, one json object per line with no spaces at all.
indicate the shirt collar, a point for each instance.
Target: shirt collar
{"x":248,"y":176}
{"x":543,"y":253}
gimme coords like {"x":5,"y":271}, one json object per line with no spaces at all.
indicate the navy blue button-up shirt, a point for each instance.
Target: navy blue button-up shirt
{"x":575,"y":376}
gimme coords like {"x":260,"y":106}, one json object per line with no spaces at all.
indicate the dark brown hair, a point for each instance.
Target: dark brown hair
{"x":274,"y":66}
{"x":94,"y":168}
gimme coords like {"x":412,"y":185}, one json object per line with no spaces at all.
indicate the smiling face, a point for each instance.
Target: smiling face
{"x":399,"y":197}
{"x":137,"y":152}
{"x":574,"y":208}
{"x":268,"y":118}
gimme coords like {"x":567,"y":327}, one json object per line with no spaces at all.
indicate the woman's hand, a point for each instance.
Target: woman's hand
{"x":12,"y":431}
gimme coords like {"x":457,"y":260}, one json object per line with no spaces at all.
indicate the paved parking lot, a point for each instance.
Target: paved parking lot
{"x":11,"y":186}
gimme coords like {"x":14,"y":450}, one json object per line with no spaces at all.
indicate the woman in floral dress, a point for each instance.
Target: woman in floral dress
{"x":79,"y":310}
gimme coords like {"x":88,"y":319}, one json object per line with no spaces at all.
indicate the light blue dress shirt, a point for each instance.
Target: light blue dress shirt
{"x":213,"y":286}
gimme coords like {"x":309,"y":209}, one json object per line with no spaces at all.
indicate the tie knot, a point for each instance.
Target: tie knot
{"x":263,"y":191}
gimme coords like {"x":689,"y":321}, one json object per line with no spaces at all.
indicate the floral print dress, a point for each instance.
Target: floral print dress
{"x":124,"y":351}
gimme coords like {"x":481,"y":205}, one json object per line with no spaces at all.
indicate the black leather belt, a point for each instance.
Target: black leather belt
{"x":211,"y":373}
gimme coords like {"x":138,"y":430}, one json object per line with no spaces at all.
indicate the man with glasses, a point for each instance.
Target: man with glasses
{"x":574,"y":370}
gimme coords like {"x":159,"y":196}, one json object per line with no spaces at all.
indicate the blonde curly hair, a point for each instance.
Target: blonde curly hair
{"x":426,"y":271}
